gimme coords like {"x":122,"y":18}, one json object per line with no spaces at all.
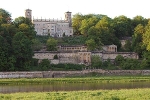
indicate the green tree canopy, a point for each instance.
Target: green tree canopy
{"x":146,"y":37}
{"x":25,"y":25}
{"x":22,"y":20}
{"x":122,"y":26}
{"x":5,"y":16}
{"x":139,"y":20}
{"x":137,"y":44}
{"x":91,"y":45}
{"x":6,"y":60}
{"x":51,"y":44}
{"x":77,"y":19}
{"x":96,"y":62}
{"x":22,"y":48}
{"x":10,"y":29}
{"x":44,"y":65}
{"x":36,"y":45}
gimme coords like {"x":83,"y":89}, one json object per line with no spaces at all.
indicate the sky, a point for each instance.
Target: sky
{"x":56,"y":8}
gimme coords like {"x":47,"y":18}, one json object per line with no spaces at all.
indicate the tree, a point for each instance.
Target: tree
{"x":146,"y":60}
{"x":36,"y":45}
{"x":91,"y":45}
{"x":44,"y":65}
{"x":96,"y":62}
{"x":77,"y":19}
{"x":6,"y":60}
{"x":64,"y":34}
{"x":5,"y":16}
{"x":93,"y":34}
{"x":22,"y":20}
{"x":87,"y":23}
{"x":118,"y":60}
{"x":122,"y":26}
{"x":146,"y":37}
{"x":10,"y":29}
{"x":144,"y":64}
{"x":25,"y":25}
{"x":139,"y":20}
{"x":130,"y":63}
{"x":127,"y":46}
{"x":55,"y":57}
{"x":137,"y":45}
{"x":51,"y":44}
{"x":22,"y":49}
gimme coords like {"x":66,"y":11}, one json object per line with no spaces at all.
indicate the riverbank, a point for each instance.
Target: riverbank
{"x":123,"y":94}
{"x":99,"y":79}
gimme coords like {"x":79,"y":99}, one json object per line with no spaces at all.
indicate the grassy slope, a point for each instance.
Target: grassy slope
{"x":124,"y":94}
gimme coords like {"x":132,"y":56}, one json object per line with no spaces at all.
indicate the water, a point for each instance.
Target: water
{"x":71,"y":87}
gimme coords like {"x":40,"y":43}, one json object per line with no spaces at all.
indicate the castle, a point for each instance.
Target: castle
{"x":52,"y":27}
{"x":77,"y":54}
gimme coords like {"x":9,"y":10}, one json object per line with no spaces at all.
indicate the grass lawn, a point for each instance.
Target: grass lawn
{"x":76,"y":80}
{"x":124,"y":94}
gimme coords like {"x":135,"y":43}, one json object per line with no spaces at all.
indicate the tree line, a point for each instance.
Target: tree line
{"x":103,"y":30}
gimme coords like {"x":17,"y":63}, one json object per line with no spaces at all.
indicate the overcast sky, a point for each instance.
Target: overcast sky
{"x":56,"y":8}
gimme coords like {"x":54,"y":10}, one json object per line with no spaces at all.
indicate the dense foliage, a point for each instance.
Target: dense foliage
{"x":102,"y":30}
{"x":15,"y":42}
{"x":51,"y":44}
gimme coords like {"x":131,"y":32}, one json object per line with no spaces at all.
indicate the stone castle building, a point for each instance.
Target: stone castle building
{"x":52,"y":27}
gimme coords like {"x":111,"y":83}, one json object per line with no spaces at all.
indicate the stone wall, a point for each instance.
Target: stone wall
{"x":81,"y":57}
{"x":113,"y":55}
{"x":51,"y":74}
{"x":21,"y":74}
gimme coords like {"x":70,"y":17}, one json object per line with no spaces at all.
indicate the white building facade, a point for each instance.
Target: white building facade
{"x":52,"y":27}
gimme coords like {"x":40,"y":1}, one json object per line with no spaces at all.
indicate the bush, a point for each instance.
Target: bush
{"x":55,"y":57}
{"x":44,"y":65}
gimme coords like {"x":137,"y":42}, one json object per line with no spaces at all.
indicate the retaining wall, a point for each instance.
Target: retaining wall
{"x":51,"y":74}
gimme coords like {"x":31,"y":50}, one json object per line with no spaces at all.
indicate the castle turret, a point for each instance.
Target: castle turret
{"x":68,"y":18}
{"x":28,"y":14}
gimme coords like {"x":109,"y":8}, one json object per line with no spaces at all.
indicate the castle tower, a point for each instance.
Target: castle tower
{"x":28,"y":14}
{"x":68,"y":18}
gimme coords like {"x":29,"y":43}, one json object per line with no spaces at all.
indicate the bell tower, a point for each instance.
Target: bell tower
{"x":28,"y":14}
{"x":68,"y":18}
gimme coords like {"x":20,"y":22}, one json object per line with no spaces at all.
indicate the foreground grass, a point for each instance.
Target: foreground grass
{"x":110,"y":79}
{"x":124,"y":94}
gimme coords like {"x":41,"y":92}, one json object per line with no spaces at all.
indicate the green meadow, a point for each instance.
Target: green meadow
{"x":75,"y":80}
{"x":124,"y":94}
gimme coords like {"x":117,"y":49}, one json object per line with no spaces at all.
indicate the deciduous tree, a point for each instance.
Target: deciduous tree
{"x":91,"y":45}
{"x":22,"y":48}
{"x":51,"y":44}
